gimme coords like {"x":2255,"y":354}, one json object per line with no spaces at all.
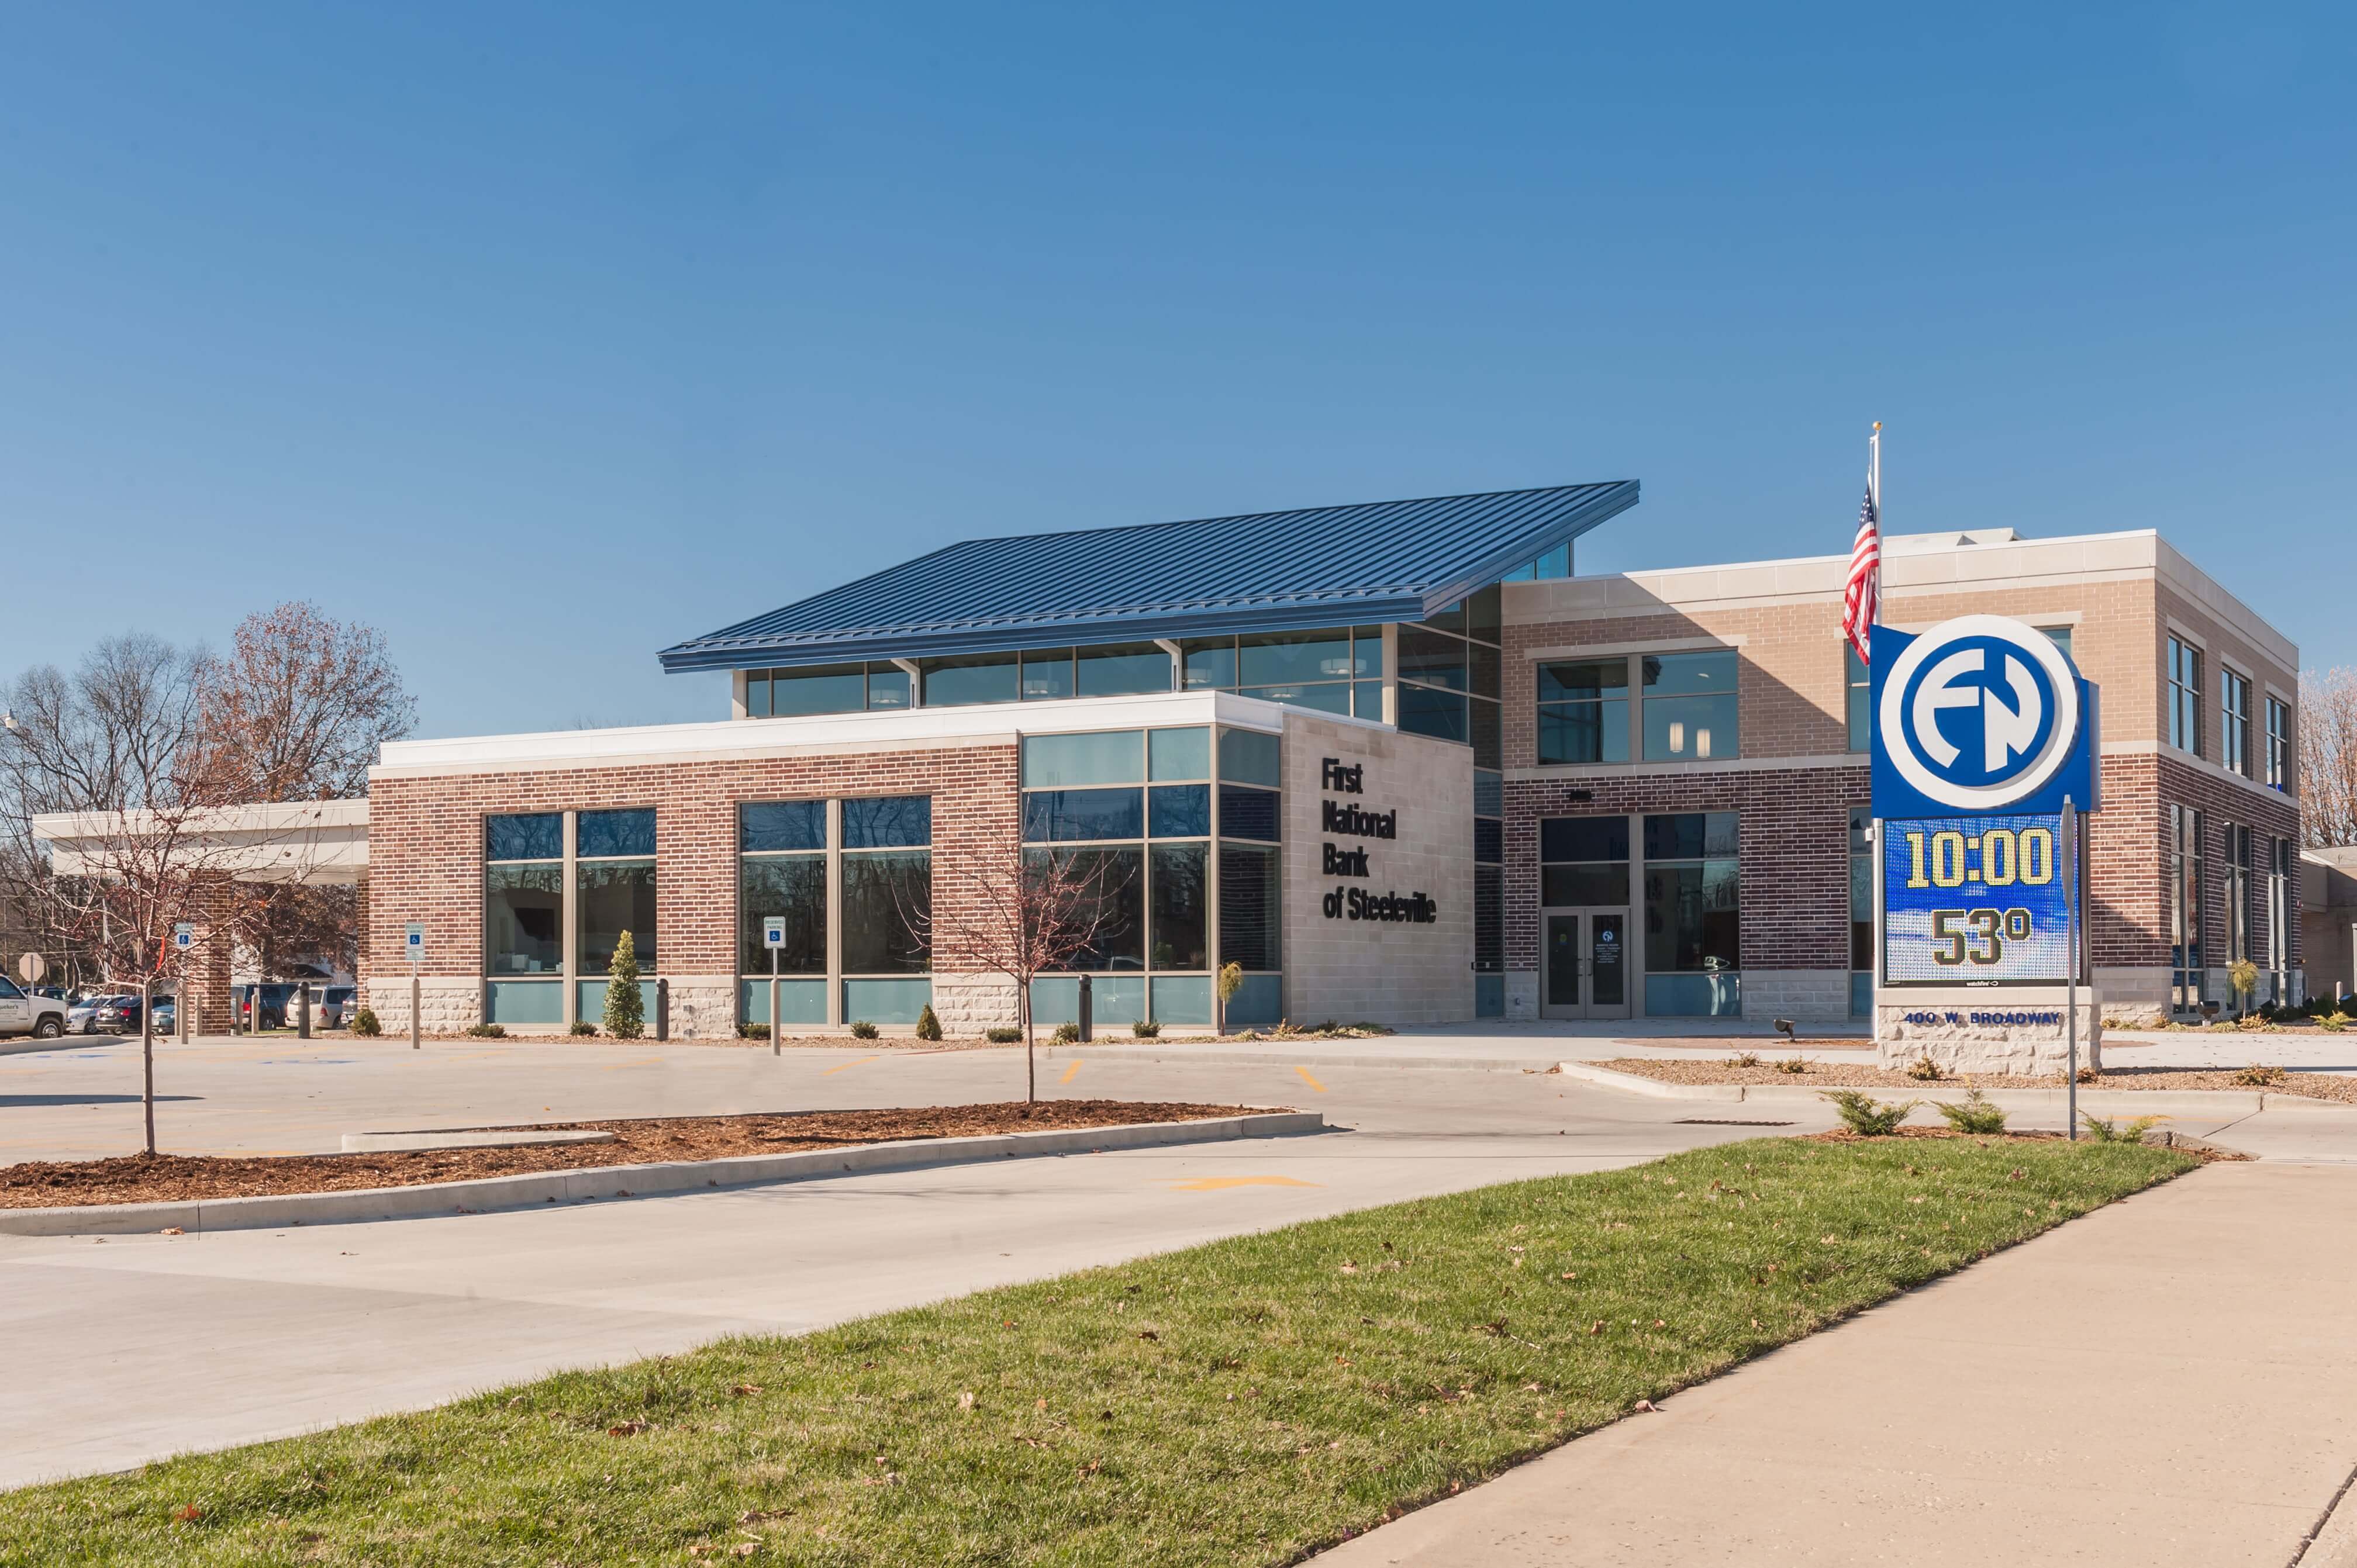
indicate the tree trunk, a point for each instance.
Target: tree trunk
{"x":147,"y":1056}
{"x":1030,"y":1072}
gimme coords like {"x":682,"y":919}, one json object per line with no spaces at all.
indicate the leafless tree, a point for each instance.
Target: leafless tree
{"x":2327,"y":757}
{"x":1022,"y":914}
{"x":299,"y":707}
{"x":111,"y":736}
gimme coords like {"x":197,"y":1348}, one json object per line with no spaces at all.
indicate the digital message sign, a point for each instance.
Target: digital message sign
{"x":1973,"y":901}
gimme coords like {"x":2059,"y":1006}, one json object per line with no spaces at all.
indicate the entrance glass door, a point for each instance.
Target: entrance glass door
{"x":1587,"y":965}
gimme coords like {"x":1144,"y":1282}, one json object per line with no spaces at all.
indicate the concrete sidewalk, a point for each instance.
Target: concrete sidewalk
{"x":2172,"y":1380}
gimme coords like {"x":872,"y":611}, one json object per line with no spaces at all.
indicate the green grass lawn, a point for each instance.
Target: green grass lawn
{"x":1239,"y":1403}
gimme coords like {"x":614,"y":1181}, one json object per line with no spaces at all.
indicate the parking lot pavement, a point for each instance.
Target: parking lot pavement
{"x":158,"y":1344}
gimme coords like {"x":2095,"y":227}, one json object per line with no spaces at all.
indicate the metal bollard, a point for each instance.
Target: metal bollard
{"x":304,"y":1010}
{"x":1088,"y":1011}
{"x":663,"y":1009}
{"x":413,"y":1025}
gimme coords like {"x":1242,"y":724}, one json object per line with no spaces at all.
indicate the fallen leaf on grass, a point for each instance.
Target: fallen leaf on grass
{"x":627,"y":1429}
{"x":1645,"y":1406}
{"x":965,"y":1401}
{"x":188,"y":1513}
{"x":742,"y":1389}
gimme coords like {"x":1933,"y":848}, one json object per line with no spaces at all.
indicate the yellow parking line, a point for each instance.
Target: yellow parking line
{"x":1070,"y":1073}
{"x":861,"y":1062}
{"x":1309,"y":1080}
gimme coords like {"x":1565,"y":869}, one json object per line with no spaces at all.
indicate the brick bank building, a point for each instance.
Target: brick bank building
{"x":1394,"y":760}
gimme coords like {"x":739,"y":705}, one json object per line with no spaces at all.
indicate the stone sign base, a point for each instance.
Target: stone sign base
{"x":2014,"y":1029}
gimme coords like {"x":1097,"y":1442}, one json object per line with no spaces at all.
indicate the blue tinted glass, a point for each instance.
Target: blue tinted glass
{"x":539,"y":836}
{"x":1058,"y":815}
{"x":1249,"y":756}
{"x":794,"y":693}
{"x":1180,"y":811}
{"x":781,"y":824}
{"x":1690,"y":835}
{"x":890,"y":821}
{"x":982,"y":678}
{"x":1423,"y":711}
{"x":1247,"y":813}
{"x":1178,"y":754}
{"x":615,"y":832}
{"x":1488,"y":840}
{"x":1061,"y":761}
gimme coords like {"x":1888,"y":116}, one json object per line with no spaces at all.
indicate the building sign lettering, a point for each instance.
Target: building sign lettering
{"x":1348,"y":819}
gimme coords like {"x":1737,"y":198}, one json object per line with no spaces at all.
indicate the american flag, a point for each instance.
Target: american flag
{"x":1862,"y":597}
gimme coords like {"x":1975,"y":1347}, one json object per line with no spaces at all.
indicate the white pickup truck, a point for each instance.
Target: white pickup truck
{"x":43,"y":1018}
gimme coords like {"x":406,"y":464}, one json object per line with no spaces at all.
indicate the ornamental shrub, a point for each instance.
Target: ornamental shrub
{"x":626,"y":1010}
{"x":488,"y":1031}
{"x":364,"y":1023}
{"x":584,"y":1027}
{"x":1003,"y":1034}
{"x":1866,"y":1116}
{"x":1067,"y":1034}
{"x":928,"y":1027}
{"x":1146,"y":1029}
{"x":1974,"y":1114}
{"x":861,"y":1029}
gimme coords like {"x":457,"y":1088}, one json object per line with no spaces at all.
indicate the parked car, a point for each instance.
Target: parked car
{"x":336,"y":1007}
{"x":81,"y":1017}
{"x":43,"y":1018}
{"x":120,"y":1016}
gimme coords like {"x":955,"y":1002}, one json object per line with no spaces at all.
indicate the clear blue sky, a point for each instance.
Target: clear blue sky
{"x":543,"y":337}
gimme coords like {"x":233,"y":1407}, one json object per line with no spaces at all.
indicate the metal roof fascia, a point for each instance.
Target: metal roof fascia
{"x":1562,"y":531}
{"x":1231,"y":620}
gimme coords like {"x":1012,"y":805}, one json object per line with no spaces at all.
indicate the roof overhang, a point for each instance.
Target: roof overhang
{"x":313,"y":842}
{"x":1309,"y":609}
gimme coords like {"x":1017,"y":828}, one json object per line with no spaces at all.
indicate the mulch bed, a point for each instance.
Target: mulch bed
{"x":162,"y":1178}
{"x":2342,"y":1087}
{"x":2205,"y":1152}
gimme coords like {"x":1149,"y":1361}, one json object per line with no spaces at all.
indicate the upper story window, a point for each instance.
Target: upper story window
{"x":824,"y":688}
{"x":1336,"y":670}
{"x":1689,"y":706}
{"x":2235,"y":720}
{"x":1451,"y":676}
{"x":2278,"y":774}
{"x":1583,"y":711}
{"x":1555,"y":563}
{"x":2184,"y":671}
{"x":1858,"y":682}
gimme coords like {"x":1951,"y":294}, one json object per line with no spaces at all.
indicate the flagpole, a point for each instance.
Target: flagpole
{"x":1874,"y":475}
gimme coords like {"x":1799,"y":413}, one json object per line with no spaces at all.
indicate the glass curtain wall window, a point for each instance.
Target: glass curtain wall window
{"x":2278,"y":774}
{"x":2184,"y":672}
{"x":1858,"y":682}
{"x":1451,"y":676}
{"x":1488,"y":894}
{"x":1556,"y":563}
{"x":782,"y":848}
{"x":542,"y":930}
{"x":2234,"y":721}
{"x":1334,"y":671}
{"x":2187,"y":829}
{"x":1690,"y":706}
{"x":824,"y":688}
{"x":614,"y":882}
{"x":2282,"y":865}
{"x":1861,"y":911}
{"x":2237,"y":892}
{"x":1694,"y":897}
{"x":1130,"y":810}
{"x":1583,"y":711}
{"x":1251,"y":882}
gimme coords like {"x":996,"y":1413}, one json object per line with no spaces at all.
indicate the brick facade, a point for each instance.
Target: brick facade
{"x":426,"y":841}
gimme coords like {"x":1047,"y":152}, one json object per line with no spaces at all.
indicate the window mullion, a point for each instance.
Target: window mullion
{"x":835,"y":912}
{"x":571,"y":921}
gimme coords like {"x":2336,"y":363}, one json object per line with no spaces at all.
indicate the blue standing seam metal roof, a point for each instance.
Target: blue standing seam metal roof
{"x":1274,"y":570}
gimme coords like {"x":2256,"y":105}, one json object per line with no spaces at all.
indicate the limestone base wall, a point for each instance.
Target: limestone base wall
{"x":2013,"y":1031}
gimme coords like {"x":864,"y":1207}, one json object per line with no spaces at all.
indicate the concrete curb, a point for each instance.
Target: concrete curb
{"x":2128,"y":1101}
{"x":1312,"y":1059}
{"x":542,"y":1188}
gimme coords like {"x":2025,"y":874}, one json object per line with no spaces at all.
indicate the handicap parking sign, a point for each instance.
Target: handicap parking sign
{"x":184,"y":934}
{"x":773,"y":930}
{"x":1980,"y":715}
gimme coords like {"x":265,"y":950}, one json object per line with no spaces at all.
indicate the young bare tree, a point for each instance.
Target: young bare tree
{"x":2327,"y":757}
{"x":1023,"y":914}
